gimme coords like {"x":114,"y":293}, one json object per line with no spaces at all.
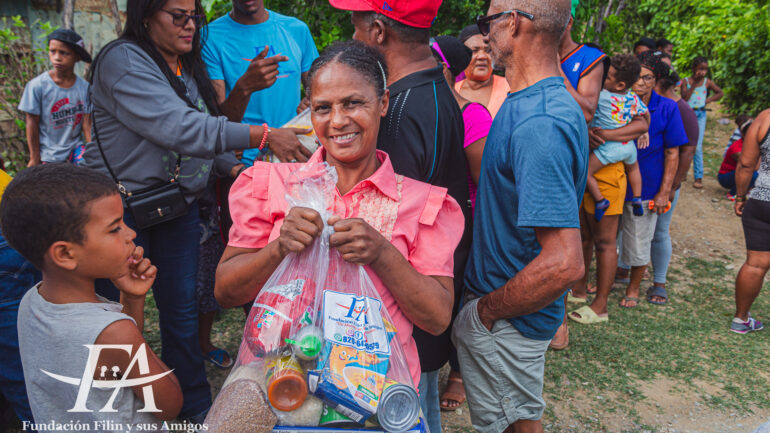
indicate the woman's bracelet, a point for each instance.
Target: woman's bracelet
{"x":266,"y":130}
{"x":740,"y":198}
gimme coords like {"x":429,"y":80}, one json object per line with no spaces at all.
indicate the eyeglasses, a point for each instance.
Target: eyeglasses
{"x":180,"y":20}
{"x":483,"y":21}
{"x":647,"y":78}
{"x":434,"y":44}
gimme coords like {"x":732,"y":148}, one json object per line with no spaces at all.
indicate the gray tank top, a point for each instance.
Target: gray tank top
{"x":52,"y":338}
{"x":761,"y":189}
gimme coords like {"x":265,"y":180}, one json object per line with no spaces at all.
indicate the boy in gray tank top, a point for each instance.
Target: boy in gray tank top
{"x":68,"y":222}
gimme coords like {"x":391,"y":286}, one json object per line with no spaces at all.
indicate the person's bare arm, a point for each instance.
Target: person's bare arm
{"x":686,"y":154}
{"x":87,"y":127}
{"x":473,"y":153}
{"x":749,"y":158}
{"x":587,"y":93}
{"x":542,"y":281}
{"x":167,"y":393}
{"x":33,"y":139}
{"x":718,"y":93}
{"x":638,"y":126}
{"x":425,"y":300}
{"x":243,"y":271}
{"x":261,"y":74}
{"x":686,"y":90}
{"x":670,"y":166}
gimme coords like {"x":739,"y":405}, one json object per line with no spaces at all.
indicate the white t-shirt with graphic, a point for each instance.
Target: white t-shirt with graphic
{"x":61,"y":114}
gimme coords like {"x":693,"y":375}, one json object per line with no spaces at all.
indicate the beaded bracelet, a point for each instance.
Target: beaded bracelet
{"x":740,"y":198}
{"x":266,"y":130}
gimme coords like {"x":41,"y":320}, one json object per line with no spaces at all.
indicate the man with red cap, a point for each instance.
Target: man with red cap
{"x":423,"y":134}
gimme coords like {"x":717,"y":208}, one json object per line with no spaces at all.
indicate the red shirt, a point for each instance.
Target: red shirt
{"x":729,"y":163}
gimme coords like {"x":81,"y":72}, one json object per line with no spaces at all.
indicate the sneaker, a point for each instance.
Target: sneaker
{"x":741,"y":327}
{"x":600,"y":208}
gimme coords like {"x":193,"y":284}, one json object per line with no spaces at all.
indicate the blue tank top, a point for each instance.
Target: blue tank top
{"x":580,"y":62}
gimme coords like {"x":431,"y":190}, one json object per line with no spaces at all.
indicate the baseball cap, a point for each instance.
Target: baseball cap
{"x":415,"y":13}
{"x":73,"y":40}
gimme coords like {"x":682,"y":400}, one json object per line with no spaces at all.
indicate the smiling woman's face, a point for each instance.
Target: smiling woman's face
{"x":346,"y":113}
{"x":169,"y":38}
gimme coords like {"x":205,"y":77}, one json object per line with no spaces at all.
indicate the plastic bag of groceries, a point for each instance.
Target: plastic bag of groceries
{"x":361,"y":374}
{"x":319,"y":347}
{"x":268,"y":385}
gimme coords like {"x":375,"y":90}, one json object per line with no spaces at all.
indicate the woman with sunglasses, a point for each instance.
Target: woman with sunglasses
{"x":155,"y":116}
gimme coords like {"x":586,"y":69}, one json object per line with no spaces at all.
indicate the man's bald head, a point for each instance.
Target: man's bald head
{"x":551,"y":16}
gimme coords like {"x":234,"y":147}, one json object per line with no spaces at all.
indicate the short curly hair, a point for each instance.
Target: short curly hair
{"x":50,"y":203}
{"x":627,"y":68}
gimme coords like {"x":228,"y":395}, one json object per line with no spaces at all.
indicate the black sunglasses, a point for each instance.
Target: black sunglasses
{"x":180,"y":20}
{"x":483,"y":21}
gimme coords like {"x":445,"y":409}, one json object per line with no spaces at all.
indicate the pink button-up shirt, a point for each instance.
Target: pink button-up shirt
{"x":422,"y":221}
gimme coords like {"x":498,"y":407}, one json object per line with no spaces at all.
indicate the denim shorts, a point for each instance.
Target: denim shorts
{"x":502,"y":371}
{"x":615,"y":151}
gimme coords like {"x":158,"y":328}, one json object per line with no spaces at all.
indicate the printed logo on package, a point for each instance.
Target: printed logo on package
{"x":355,"y":322}
{"x":111,"y":377}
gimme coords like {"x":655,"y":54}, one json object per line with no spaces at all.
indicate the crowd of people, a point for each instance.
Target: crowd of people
{"x":477,"y":175}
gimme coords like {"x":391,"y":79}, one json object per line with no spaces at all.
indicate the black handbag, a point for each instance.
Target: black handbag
{"x":152,"y":205}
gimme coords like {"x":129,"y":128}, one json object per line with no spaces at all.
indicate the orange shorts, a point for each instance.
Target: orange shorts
{"x":612,"y":184}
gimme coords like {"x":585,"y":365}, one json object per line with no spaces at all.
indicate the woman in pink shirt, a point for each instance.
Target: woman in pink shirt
{"x":403,"y":231}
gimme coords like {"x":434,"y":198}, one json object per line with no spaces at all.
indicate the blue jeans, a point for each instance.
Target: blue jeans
{"x":727,"y":180}
{"x":429,"y":400}
{"x":173,"y":247}
{"x":697,"y":161}
{"x":16,"y":277}
{"x":661,"y":244}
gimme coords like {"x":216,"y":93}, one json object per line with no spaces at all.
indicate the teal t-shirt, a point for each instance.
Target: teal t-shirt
{"x":229,"y":47}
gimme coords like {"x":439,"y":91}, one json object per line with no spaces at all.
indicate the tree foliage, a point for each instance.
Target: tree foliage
{"x":733,"y":34}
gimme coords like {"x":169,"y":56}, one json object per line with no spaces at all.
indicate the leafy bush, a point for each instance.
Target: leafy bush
{"x":20,"y":61}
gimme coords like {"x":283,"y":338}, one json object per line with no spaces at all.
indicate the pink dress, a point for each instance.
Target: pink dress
{"x":422,"y":221}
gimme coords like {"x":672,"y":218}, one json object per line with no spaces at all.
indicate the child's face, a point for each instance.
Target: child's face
{"x":612,"y":83}
{"x":62,"y":56}
{"x":108,"y":243}
{"x":701,"y":70}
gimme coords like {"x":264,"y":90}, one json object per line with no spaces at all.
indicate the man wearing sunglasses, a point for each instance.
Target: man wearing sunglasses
{"x":526,"y":241}
{"x":258,"y":59}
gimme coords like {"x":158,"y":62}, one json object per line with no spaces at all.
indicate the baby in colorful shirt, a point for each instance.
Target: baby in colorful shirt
{"x":617,"y":107}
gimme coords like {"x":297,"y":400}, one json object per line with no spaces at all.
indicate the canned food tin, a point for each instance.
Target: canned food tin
{"x":399,"y":407}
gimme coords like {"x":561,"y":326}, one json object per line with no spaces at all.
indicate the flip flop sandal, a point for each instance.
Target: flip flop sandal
{"x":452,"y":396}
{"x":574,"y":299}
{"x":218,"y":356}
{"x":657,"y":291}
{"x":587,"y":316}
{"x":629,"y":299}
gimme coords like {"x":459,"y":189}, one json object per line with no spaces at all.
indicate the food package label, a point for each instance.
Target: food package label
{"x":355,"y":322}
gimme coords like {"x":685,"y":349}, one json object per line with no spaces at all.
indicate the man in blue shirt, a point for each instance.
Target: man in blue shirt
{"x":527,"y":247}
{"x":258,"y":59}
